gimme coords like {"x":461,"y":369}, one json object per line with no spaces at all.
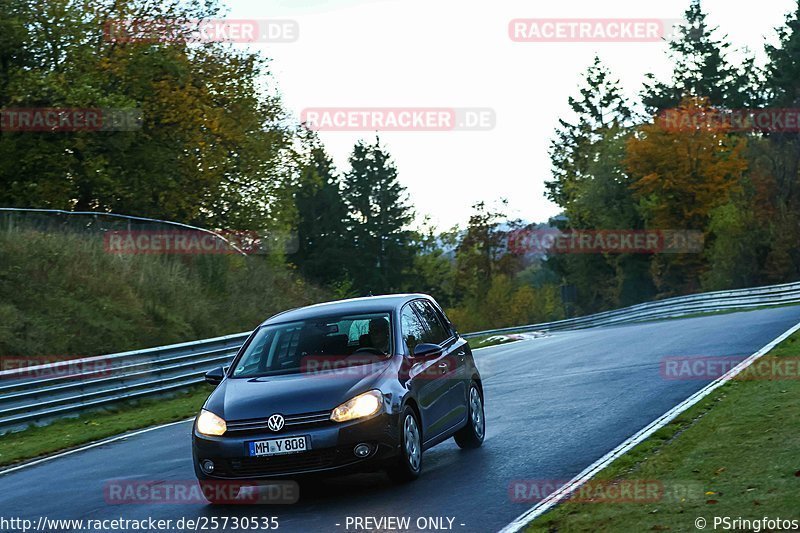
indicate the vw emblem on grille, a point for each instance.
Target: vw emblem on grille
{"x":275,"y":422}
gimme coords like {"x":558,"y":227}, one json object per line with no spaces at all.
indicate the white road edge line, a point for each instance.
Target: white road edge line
{"x":89,"y":446}
{"x":553,"y":499}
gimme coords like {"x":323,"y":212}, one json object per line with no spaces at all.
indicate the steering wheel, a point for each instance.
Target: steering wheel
{"x":369,"y":349}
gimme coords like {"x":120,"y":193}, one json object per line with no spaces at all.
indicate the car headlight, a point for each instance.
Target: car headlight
{"x":210,"y":424}
{"x":362,"y":405}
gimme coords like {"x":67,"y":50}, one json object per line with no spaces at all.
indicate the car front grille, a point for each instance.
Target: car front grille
{"x":284,"y":464}
{"x":292,"y":422}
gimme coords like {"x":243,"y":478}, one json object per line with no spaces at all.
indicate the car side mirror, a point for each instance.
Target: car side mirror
{"x":215,"y":376}
{"x":426,"y":350}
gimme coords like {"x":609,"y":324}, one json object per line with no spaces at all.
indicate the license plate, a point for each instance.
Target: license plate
{"x":277,"y":446}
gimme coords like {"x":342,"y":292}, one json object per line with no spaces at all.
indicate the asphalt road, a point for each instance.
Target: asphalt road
{"x":554,"y":406}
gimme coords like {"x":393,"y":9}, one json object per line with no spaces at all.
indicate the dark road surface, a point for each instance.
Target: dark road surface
{"x":554,"y":405}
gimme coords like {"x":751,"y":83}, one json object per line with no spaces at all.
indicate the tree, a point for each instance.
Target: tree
{"x":681,"y":175}
{"x":212,"y":150}
{"x":479,"y":253}
{"x":601,"y":106}
{"x":591,"y":185}
{"x":324,"y":249}
{"x":700,"y":68}
{"x":493,"y":287}
{"x":783,"y":66}
{"x":777,"y":157}
{"x":433,"y":268}
{"x":379,"y":220}
{"x":736,"y":249}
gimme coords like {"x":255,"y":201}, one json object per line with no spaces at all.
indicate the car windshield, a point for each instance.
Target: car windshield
{"x":316,"y":344}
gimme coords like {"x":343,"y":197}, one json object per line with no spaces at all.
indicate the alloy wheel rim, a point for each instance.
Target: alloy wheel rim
{"x":411,"y":434}
{"x":476,"y":411}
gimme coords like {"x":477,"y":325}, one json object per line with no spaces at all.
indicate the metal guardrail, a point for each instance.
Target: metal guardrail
{"x":95,"y":221}
{"x":46,"y":392}
{"x":26,"y":397}
{"x":772,"y":295}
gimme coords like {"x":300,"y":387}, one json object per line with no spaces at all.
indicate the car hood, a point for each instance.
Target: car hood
{"x":290,"y":394}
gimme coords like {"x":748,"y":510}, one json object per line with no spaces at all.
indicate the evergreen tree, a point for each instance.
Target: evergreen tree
{"x":700,"y":68}
{"x":379,"y":220}
{"x":600,"y":106}
{"x":323,"y":250}
{"x":778,"y":158}
{"x":783,"y":67}
{"x":479,"y":253}
{"x":591,"y":185}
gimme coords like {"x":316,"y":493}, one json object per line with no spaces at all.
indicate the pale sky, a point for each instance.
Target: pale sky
{"x":457,"y":53}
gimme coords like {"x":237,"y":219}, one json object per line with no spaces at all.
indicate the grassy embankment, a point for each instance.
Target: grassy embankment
{"x":63,"y":296}
{"x":737,"y":449}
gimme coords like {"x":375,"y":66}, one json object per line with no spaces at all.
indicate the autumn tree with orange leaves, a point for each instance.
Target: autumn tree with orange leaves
{"x":684,"y":169}
{"x":684,"y":165}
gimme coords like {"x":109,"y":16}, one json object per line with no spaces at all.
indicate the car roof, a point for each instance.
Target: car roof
{"x":366,"y":304}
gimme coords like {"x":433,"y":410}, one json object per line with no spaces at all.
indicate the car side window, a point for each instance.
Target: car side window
{"x":412,"y":329}
{"x":436,"y":332}
{"x":356,"y":329}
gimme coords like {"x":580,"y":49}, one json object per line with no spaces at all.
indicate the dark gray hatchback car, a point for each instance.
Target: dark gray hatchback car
{"x":353,"y":385}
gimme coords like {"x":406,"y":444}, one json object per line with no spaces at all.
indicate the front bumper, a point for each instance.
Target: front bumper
{"x":331,"y":450}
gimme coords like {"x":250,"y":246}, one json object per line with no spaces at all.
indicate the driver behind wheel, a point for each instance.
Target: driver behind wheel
{"x":379,"y":334}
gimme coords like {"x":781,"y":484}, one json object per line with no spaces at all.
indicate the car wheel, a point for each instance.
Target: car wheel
{"x":471,"y":435}
{"x":409,"y":464}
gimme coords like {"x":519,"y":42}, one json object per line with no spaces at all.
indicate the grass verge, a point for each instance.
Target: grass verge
{"x":69,"y":433}
{"x":737,"y":451}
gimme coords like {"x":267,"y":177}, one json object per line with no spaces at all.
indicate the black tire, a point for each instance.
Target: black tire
{"x":471,"y":436}
{"x":409,"y":463}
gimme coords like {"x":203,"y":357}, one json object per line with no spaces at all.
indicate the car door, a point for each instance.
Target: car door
{"x":451,"y":364}
{"x":426,"y":380}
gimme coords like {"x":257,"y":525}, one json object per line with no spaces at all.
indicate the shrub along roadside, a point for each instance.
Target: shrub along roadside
{"x":63,"y":296}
